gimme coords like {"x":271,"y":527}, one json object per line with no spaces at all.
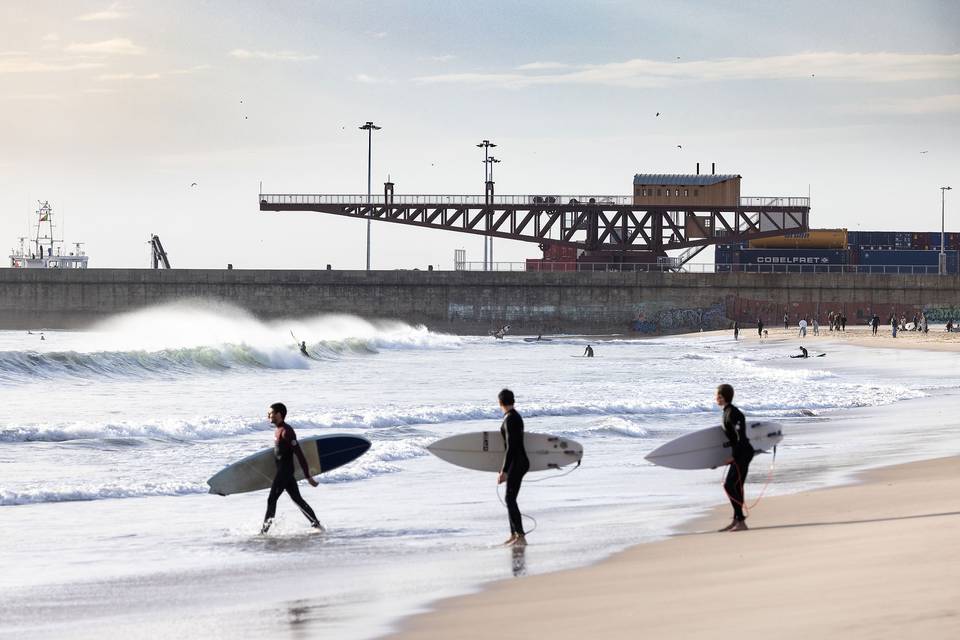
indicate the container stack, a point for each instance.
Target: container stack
{"x":836,"y":250}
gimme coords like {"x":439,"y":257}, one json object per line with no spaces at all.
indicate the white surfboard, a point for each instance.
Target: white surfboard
{"x":483,"y":450}
{"x":709,"y":448}
{"x":256,"y":471}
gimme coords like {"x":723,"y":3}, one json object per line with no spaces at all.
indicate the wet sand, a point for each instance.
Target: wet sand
{"x":878,"y":559}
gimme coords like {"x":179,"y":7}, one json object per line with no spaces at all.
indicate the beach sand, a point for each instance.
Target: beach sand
{"x":878,"y":559}
{"x":935,"y":340}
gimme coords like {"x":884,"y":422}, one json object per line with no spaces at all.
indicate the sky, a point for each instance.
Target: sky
{"x":112,"y":110}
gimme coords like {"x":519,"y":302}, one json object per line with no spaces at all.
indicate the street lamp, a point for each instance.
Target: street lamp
{"x":943,"y":248}
{"x":369,"y":127}
{"x":486,"y":144}
{"x":492,"y":161}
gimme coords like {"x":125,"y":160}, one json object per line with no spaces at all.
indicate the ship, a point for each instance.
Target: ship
{"x":43,"y":250}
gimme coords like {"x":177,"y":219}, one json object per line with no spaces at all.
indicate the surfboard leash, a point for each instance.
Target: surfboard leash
{"x":763,"y":490}
{"x":552,"y":477}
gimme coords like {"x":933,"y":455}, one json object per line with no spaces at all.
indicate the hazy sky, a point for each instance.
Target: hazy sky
{"x":111,"y":110}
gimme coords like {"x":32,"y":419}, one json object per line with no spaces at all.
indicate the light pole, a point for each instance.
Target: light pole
{"x":486,"y":144}
{"x":492,"y":161}
{"x":369,"y":127}
{"x":943,"y":247}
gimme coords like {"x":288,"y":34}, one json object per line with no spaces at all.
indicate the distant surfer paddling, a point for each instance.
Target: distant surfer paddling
{"x":285,"y":446}
{"x":515,"y":464}
{"x":735,"y":426}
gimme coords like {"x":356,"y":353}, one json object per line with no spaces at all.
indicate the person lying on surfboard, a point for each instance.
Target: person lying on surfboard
{"x":735,"y":426}
{"x":285,"y":446}
{"x":515,"y":464}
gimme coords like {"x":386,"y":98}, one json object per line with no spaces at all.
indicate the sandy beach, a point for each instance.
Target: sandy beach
{"x":873,"y":560}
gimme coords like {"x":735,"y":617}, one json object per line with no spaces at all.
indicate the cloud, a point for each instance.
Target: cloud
{"x":642,"y":73}
{"x":445,"y":58}
{"x":25,"y":65}
{"x":155,"y":75}
{"x":365,"y":79}
{"x":289,"y":56}
{"x":910,"y":106}
{"x":540,"y":66}
{"x":42,"y":97}
{"x":377,"y":34}
{"x":115,"y":46}
{"x":129,"y":76}
{"x":113,"y":13}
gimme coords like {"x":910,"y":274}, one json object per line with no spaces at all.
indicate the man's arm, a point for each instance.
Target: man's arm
{"x":302,"y":458}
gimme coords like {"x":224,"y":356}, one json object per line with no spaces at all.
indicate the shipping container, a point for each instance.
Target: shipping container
{"x":906,"y":261}
{"x":793,"y":260}
{"x":536,"y":264}
{"x":813,"y":239}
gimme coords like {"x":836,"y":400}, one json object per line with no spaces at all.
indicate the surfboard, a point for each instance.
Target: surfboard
{"x":537,"y":340}
{"x":708,"y":448}
{"x":256,"y":471}
{"x":483,"y":450}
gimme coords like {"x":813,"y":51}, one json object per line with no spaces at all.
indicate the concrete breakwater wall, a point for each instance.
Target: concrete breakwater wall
{"x":476,"y":302}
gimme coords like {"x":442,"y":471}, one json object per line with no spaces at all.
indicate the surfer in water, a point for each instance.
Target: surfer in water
{"x":284,"y":448}
{"x":803,"y":354}
{"x":588,"y":352}
{"x":735,"y":426}
{"x":515,"y":464}
{"x":303,"y":349}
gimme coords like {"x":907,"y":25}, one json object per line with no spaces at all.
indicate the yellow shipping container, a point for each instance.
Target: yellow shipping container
{"x":814,"y":239}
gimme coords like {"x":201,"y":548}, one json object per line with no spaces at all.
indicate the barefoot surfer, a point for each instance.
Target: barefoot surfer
{"x":285,"y":447}
{"x":515,"y":464}
{"x":735,"y":426}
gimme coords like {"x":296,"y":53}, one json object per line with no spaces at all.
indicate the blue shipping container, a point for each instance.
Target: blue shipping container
{"x":912,"y":261}
{"x":793,"y":256}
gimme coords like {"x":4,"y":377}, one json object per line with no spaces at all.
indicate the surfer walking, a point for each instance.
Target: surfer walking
{"x":735,"y":426}
{"x":285,"y":447}
{"x":515,"y":464}
{"x":588,"y":352}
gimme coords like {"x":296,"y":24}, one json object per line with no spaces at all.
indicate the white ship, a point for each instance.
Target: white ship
{"x":43,"y":251}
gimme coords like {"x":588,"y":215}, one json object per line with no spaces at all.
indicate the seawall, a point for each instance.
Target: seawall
{"x":477,"y":302}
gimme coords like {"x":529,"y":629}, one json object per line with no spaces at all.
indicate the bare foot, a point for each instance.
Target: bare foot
{"x":509,"y":541}
{"x":739,"y":525}
{"x":519,"y":541}
{"x":730,"y":526}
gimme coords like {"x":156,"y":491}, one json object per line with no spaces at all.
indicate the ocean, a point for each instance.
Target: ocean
{"x":110,"y":434}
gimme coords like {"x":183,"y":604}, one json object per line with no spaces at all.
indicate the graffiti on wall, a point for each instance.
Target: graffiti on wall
{"x":941,"y":314}
{"x":650,"y":320}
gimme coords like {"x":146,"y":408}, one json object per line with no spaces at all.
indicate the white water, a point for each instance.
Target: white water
{"x":109,"y":436}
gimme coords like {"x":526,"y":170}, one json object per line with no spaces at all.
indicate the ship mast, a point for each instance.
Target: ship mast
{"x":44,"y":214}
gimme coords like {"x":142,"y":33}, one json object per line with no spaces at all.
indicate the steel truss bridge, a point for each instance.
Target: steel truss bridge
{"x":609,"y":224}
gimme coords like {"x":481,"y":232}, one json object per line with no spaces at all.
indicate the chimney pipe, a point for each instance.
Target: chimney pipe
{"x":713,"y":168}
{"x":698,"y":168}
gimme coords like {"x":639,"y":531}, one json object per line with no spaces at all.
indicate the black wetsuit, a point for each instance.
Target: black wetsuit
{"x":515,"y":465}
{"x":284,"y":448}
{"x":735,"y":426}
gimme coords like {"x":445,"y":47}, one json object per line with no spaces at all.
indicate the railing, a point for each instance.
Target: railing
{"x":560,"y":267}
{"x":479,"y":200}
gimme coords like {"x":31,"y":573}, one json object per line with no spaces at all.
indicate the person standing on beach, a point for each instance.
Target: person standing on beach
{"x":760,"y":328}
{"x":786,"y":321}
{"x":803,"y":327}
{"x":515,"y":464}
{"x":285,"y":447}
{"x":893,"y":325}
{"x":736,"y":330}
{"x":816,"y":326}
{"x":735,"y":426}
{"x":843,"y":322}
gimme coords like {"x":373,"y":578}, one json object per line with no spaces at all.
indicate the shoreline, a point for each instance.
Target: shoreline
{"x":886,"y":542}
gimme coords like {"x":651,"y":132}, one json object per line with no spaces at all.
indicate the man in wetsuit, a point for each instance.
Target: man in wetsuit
{"x":303,"y":349}
{"x":804,"y":354}
{"x":760,"y":328}
{"x":735,"y":426}
{"x":285,"y":446}
{"x":588,"y":352}
{"x":515,"y":464}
